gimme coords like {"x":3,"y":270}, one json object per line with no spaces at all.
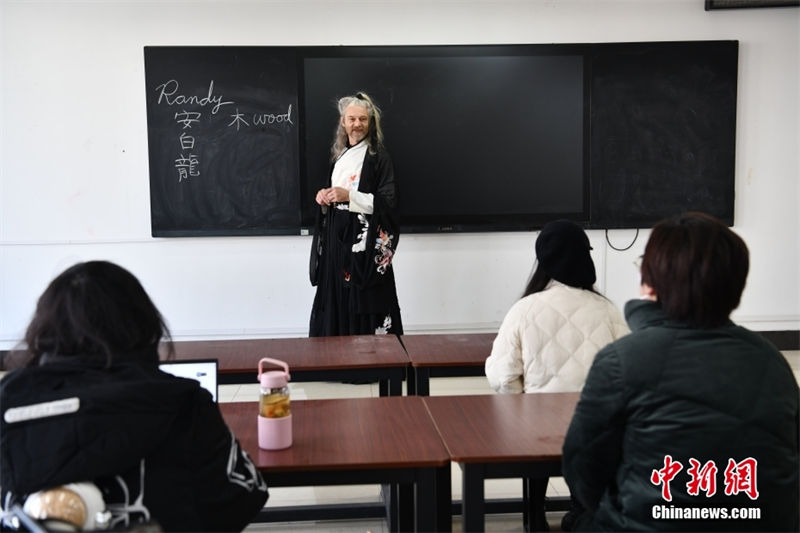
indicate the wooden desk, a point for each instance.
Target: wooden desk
{"x":445,"y":355}
{"x":357,"y":441}
{"x":502,"y":436}
{"x":348,"y":358}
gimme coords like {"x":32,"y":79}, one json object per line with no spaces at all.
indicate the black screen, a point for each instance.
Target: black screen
{"x":480,"y":138}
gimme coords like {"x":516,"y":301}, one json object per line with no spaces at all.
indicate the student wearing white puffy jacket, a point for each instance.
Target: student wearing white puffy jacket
{"x":549,"y":338}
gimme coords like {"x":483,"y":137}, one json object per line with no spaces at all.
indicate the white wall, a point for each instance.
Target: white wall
{"x":74,"y":174}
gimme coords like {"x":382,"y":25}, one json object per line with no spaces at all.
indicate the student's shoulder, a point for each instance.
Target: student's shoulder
{"x":532,"y":303}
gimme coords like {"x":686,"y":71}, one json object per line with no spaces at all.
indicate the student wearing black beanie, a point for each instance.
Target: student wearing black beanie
{"x":549,"y":338}
{"x":563,"y":253}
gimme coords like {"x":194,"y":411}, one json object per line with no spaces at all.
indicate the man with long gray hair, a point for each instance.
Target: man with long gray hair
{"x":356,"y":233}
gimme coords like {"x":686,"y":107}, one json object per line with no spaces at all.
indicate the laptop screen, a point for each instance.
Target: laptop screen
{"x":202,"y":370}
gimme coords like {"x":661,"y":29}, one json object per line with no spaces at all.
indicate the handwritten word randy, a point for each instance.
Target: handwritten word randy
{"x":168,"y":93}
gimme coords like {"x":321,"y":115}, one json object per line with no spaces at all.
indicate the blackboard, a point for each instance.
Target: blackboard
{"x":663,"y":127}
{"x":612,"y":135}
{"x":222,"y":126}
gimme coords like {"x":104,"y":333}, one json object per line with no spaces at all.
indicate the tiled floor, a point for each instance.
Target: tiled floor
{"x":354,"y":494}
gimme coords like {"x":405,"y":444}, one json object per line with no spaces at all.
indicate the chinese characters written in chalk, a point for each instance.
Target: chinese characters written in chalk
{"x":187,"y":166}
{"x":739,"y":477}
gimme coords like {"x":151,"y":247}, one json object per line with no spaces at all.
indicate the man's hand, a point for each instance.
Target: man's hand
{"x":322,"y":197}
{"x":338,"y":195}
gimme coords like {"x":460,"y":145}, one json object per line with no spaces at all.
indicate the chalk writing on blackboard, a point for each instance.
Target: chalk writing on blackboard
{"x":223,"y":140}
{"x":260,"y":119}
{"x":167,"y":94}
{"x":187,"y":163}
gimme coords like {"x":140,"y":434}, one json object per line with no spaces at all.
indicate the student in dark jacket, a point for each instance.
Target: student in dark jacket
{"x":92,"y":406}
{"x":691,"y":422}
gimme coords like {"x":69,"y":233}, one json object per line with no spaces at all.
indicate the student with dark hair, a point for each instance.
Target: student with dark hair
{"x":691,"y":422}
{"x":548,"y":339}
{"x":92,"y":406}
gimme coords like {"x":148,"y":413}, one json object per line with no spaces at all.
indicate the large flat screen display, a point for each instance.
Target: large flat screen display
{"x":482,"y":138}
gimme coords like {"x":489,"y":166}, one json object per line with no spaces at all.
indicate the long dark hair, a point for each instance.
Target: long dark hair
{"x":563,"y":253}
{"x":96,"y":308}
{"x":537,"y":283}
{"x":540,"y":279}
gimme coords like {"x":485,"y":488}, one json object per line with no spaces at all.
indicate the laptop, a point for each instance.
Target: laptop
{"x":202,"y":370}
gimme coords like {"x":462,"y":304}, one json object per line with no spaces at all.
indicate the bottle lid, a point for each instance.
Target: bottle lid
{"x":274,"y":379}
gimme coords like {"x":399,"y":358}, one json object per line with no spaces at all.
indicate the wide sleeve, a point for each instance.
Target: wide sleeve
{"x":377,"y":235}
{"x":318,"y":243}
{"x":504,"y":366}
{"x":230,"y":490}
{"x":386,"y":189}
{"x":317,"y":246}
{"x":593,"y":445}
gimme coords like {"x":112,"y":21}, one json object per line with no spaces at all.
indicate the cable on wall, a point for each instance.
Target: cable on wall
{"x":636,"y":236}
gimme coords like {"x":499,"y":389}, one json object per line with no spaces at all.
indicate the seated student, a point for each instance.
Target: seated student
{"x":549,"y":337}
{"x":92,"y":405}
{"x":690,"y":416}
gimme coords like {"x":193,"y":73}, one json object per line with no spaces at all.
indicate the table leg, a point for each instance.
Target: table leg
{"x":444,"y":499}
{"x":422,"y":377}
{"x":406,"y":507}
{"x":411,"y":381}
{"x":534,"y":504}
{"x":526,"y":499}
{"x":393,"y":385}
{"x":472,"y":496}
{"x":396,"y":383}
{"x":390,"y":501}
{"x":427,"y":514}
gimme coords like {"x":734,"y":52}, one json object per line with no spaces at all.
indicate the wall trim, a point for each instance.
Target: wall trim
{"x":783,"y":340}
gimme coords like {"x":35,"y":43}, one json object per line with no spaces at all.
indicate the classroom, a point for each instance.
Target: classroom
{"x":74,"y":169}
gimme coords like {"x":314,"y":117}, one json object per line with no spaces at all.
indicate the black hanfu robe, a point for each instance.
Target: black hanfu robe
{"x":351,"y":259}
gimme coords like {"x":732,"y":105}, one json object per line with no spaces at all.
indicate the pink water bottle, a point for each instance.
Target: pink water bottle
{"x":274,"y":413}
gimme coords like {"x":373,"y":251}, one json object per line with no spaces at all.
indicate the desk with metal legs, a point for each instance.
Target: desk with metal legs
{"x":445,"y":355}
{"x":503,"y":436}
{"x":358,"y":441}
